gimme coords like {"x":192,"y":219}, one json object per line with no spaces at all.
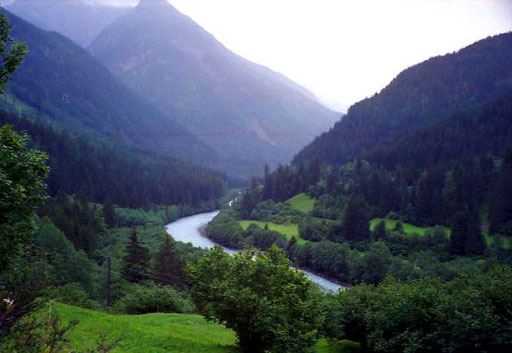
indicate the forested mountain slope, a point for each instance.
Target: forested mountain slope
{"x":248,"y":113}
{"x":420,"y":102}
{"x":69,"y":86}
{"x":106,"y":173}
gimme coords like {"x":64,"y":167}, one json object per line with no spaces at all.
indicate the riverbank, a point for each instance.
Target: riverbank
{"x":191,"y":230}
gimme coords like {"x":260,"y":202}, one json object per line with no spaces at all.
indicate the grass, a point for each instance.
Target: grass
{"x":289,"y":230}
{"x":408,"y":228}
{"x":155,"y":333}
{"x":151,"y":333}
{"x":344,"y":346}
{"x":302,"y":202}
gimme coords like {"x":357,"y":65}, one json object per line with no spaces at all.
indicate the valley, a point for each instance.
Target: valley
{"x":160,"y":192}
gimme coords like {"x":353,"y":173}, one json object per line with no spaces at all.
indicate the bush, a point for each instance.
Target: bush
{"x":279,"y":213}
{"x":73,"y":294}
{"x":150,"y":298}
{"x":225,"y":230}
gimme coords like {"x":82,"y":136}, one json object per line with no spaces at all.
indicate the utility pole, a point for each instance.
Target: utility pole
{"x":107,"y":284}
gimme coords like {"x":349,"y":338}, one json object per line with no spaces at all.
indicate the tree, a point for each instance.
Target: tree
{"x":136,"y":261}
{"x":380,"y":231}
{"x":11,"y":55}
{"x":355,"y":219}
{"x":270,"y":306}
{"x":475,"y":242}
{"x":169,"y":266}
{"x":22,"y":169}
{"x":500,"y":213}
{"x":22,"y":190}
{"x":459,"y":233}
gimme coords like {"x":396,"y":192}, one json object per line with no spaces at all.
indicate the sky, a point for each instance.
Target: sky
{"x":345,"y":50}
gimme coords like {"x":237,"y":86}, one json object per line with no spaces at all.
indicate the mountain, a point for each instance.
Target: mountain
{"x":103,"y":172}
{"x":248,"y":113}
{"x":446,"y":93}
{"x":79,"y":20}
{"x":70,"y":88}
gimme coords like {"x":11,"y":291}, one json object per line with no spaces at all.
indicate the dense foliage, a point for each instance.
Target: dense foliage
{"x":91,"y":169}
{"x":467,"y":314}
{"x":270,"y":306}
{"x":22,"y":190}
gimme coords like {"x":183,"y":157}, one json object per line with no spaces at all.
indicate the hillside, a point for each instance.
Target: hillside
{"x":246,"y":112}
{"x":79,"y":20}
{"x":92,"y":169}
{"x":70,"y":88}
{"x":155,"y":332}
{"x":421,"y":102}
{"x":172,"y":333}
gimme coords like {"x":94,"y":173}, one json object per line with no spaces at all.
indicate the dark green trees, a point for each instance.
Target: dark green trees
{"x":169,"y":267}
{"x":467,"y":314}
{"x":270,"y":306}
{"x":380,"y":231}
{"x":500,"y":212}
{"x":11,"y":55}
{"x":466,"y":237}
{"x":136,"y":261}
{"x":22,"y":169}
{"x":355,"y":224}
{"x":22,"y":190}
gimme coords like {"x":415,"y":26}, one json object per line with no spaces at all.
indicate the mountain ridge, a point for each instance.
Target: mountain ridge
{"x":429,"y":91}
{"x":71,"y":88}
{"x":243,"y":110}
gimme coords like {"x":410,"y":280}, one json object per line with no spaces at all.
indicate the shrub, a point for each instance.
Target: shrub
{"x":150,"y":298}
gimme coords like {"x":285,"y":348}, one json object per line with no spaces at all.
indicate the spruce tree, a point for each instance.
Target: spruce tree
{"x":459,"y":233}
{"x":475,"y":242}
{"x":169,"y":266}
{"x":500,"y":212}
{"x":355,"y":219}
{"x":136,"y":261}
{"x":380,"y":230}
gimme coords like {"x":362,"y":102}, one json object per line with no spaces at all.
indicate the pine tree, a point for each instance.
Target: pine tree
{"x":355,"y":219}
{"x":475,"y":243}
{"x":459,"y":233}
{"x":500,"y":212}
{"x":136,"y":261}
{"x":267,"y":184}
{"x":169,"y":266}
{"x":380,"y":230}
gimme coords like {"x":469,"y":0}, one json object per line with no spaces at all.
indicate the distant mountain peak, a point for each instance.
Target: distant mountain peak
{"x":144,"y":3}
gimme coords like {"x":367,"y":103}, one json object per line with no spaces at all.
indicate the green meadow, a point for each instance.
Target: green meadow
{"x":302,"y":202}
{"x":408,"y":228}
{"x":289,"y":230}
{"x":159,"y":333}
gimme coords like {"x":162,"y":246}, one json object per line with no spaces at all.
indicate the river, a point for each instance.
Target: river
{"x":189,"y":230}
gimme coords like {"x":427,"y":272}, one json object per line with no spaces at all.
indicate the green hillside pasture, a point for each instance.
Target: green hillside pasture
{"x":289,"y":230}
{"x":151,"y":333}
{"x":302,"y":202}
{"x":408,"y":228}
{"x":159,"y":333}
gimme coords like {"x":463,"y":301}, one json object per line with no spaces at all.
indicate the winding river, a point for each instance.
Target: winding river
{"x":190,"y":230}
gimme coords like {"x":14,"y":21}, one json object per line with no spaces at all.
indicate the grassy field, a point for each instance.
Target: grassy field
{"x":155,"y":333}
{"x":288,"y":230}
{"x":151,"y":333}
{"x":408,"y":228}
{"x":302,"y":202}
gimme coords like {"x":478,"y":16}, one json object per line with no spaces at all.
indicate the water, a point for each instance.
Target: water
{"x":189,"y":230}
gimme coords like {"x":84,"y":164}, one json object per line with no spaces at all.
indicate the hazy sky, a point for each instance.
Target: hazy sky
{"x":345,"y":50}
